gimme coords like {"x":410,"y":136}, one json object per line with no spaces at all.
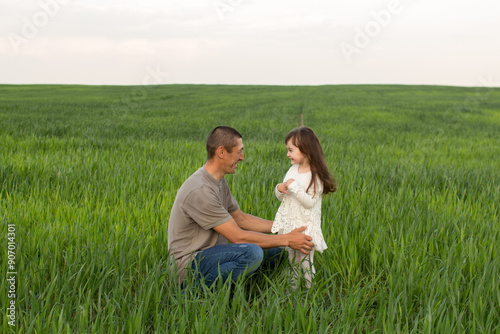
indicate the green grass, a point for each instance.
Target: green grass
{"x":88,"y":176}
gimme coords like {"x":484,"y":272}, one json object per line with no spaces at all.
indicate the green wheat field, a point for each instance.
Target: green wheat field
{"x":88,"y":175}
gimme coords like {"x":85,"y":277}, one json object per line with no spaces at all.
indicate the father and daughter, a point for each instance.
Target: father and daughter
{"x":205,"y":215}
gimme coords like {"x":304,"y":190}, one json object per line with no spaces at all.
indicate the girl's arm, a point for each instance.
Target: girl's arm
{"x":279,"y":194}
{"x":304,"y":198}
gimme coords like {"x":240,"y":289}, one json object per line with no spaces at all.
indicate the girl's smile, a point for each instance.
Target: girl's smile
{"x":294,"y":154}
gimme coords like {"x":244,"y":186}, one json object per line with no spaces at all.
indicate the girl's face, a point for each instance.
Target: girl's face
{"x":293,"y":152}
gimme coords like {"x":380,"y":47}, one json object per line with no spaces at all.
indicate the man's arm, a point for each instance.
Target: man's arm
{"x":295,"y":239}
{"x":251,"y":223}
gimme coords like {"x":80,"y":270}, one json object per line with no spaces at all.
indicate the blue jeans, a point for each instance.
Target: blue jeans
{"x":234,"y":261}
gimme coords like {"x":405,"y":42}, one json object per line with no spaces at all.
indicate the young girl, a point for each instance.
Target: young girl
{"x":300,"y":193}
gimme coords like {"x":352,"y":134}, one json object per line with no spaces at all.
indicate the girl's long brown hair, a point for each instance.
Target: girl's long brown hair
{"x":308,"y":143}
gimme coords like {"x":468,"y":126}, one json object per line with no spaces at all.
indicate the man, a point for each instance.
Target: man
{"x":205,"y":216}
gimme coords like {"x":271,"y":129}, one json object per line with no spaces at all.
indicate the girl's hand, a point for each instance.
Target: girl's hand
{"x":283,"y":187}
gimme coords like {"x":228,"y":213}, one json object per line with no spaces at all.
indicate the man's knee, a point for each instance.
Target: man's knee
{"x":273,"y":258}
{"x":252,"y":255}
{"x":276,"y":254}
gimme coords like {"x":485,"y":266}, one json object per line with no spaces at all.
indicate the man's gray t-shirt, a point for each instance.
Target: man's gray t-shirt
{"x":201,"y":204}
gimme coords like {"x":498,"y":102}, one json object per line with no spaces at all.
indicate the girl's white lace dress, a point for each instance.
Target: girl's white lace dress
{"x":300,"y":208}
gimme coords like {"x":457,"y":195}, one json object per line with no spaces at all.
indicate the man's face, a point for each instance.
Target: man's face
{"x":231,"y":159}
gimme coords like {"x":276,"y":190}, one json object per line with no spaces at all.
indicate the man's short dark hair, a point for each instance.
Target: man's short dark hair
{"x":224,"y":136}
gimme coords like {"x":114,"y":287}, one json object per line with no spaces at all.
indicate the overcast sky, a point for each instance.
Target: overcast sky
{"x":270,"y":42}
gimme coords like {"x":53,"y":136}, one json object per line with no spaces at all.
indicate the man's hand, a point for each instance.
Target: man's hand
{"x":283,"y":187}
{"x":300,"y":241}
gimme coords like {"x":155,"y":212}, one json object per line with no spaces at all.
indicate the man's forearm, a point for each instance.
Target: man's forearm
{"x":253,"y":223}
{"x":264,"y":240}
{"x":295,"y":239}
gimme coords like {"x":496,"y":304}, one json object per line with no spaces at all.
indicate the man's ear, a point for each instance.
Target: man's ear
{"x":220,"y":152}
